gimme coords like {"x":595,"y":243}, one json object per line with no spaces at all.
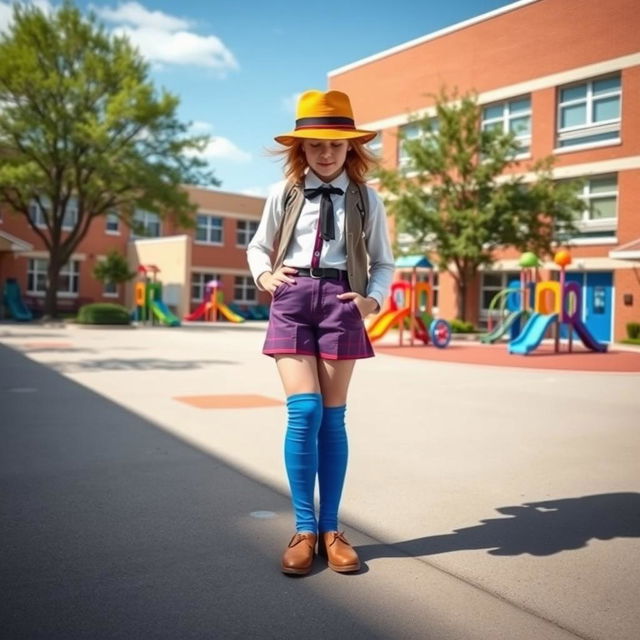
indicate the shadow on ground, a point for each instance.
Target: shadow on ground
{"x":133,"y":364}
{"x":535,"y":528}
{"x":113,"y":528}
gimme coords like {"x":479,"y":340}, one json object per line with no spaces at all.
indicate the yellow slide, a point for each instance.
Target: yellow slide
{"x":385,"y":322}
{"x":228,"y":314}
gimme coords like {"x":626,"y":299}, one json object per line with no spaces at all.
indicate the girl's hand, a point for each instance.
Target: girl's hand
{"x":365,"y":306}
{"x":271,"y":281}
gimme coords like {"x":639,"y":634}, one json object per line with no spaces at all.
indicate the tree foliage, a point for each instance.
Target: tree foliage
{"x":83,"y":127}
{"x":457,"y":200}
{"x":114,"y":268}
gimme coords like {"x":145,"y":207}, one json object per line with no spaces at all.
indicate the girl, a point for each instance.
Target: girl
{"x":333,"y":267}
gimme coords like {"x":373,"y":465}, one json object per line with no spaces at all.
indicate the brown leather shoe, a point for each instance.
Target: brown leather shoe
{"x":341,"y":555}
{"x":298,"y":556}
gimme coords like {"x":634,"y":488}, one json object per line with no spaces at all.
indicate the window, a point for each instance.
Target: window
{"x":589,"y":112}
{"x":409,"y":132}
{"x":375,"y":145}
{"x":245,"y":230}
{"x":112,"y":224}
{"x":146,"y":224}
{"x":69,"y":218}
{"x":492,"y":283}
{"x":209,"y":229}
{"x":414,"y":131}
{"x":199,"y":282}
{"x":110,"y":290}
{"x":599,"y":217}
{"x":67,"y":281}
{"x":512,"y":116}
{"x":244,"y":289}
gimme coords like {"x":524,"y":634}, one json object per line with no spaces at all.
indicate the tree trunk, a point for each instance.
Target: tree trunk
{"x":51,"y":296}
{"x":462,"y":307}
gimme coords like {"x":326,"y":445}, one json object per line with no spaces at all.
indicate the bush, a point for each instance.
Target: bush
{"x":633,"y":330}
{"x":460,"y":326}
{"x":103,"y":313}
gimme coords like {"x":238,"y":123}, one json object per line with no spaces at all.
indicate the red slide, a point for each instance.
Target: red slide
{"x":198,"y":313}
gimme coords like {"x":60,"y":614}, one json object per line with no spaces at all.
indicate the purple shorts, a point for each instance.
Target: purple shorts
{"x":306,"y":318}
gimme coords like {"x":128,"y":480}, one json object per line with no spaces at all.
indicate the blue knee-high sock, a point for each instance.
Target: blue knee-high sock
{"x":301,"y":455}
{"x":333,"y":452}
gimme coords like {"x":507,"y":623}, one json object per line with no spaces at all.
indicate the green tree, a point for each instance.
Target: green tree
{"x":83,"y":132}
{"x":114,"y":268}
{"x":455,"y":200}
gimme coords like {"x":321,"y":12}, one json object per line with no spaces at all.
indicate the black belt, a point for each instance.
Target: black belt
{"x":320,"y":272}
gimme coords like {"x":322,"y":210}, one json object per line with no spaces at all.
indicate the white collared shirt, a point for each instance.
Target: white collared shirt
{"x":333,"y":254}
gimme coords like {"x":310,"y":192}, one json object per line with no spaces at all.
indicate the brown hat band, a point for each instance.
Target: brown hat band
{"x":327,"y":122}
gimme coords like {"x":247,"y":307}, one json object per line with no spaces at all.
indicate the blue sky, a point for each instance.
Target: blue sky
{"x":238,"y":65}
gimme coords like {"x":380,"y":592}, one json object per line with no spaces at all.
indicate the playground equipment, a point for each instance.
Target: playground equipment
{"x":213,"y":306}
{"x":514,"y":302}
{"x":148,"y":299}
{"x":14,"y":302}
{"x":412,"y":302}
{"x":556,"y":304}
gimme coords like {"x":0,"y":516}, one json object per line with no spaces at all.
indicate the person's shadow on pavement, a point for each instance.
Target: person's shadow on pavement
{"x":537,"y":528}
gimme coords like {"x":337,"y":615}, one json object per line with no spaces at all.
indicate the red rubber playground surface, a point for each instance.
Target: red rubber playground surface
{"x":544,"y":357}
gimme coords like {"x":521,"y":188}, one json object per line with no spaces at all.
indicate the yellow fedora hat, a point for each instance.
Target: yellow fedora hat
{"x":326,"y":116}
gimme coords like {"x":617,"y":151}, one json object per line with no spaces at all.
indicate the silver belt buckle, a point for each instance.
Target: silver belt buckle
{"x":311,"y":273}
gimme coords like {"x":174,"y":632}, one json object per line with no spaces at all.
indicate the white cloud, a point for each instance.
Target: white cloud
{"x":135,"y":14}
{"x":201,"y":128}
{"x":290,"y":102}
{"x":220,"y":148}
{"x":6,"y":11}
{"x":166,"y":39}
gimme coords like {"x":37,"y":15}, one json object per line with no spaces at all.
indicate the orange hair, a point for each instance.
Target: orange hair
{"x":359,"y":162}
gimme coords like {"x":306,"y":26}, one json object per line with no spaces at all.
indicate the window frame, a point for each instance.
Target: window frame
{"x":505,"y":120}
{"x":590,"y":128}
{"x":209,"y":227}
{"x":70,"y":270}
{"x":205,"y":276}
{"x":247,"y":284}
{"x":247,"y":233}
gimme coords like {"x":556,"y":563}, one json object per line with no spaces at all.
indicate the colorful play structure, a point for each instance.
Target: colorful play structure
{"x":148,"y":299}
{"x":547,"y":307}
{"x":14,"y":302}
{"x":213,"y":306}
{"x":410,"y":303}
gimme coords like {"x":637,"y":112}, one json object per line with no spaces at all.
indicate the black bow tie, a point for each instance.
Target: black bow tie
{"x":327,"y":223}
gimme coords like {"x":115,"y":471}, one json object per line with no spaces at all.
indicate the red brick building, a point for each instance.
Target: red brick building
{"x":214,"y":249}
{"x":563,"y":74}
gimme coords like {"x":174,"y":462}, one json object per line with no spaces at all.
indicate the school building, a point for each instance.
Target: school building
{"x":565,"y":76}
{"x":215,"y":249}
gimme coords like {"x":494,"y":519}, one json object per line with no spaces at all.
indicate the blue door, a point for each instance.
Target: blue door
{"x":598,"y":304}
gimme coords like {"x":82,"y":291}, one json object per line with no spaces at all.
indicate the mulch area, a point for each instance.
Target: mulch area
{"x":544,"y":357}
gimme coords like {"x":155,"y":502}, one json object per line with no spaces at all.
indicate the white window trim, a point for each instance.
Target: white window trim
{"x":211,"y":275}
{"x":209,"y":243}
{"x":248,"y":284}
{"x":590,"y":127}
{"x":589,"y":145}
{"x":251,"y":234}
{"x":505,"y":119}
{"x":136,"y":220}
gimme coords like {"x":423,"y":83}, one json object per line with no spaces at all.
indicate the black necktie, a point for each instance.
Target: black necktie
{"x":327,"y":224}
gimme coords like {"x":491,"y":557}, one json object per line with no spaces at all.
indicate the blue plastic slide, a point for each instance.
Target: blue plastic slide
{"x":532,"y":334}
{"x":14,"y":302}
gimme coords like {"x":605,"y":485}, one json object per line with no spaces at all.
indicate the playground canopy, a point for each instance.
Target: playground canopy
{"x":412,"y":262}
